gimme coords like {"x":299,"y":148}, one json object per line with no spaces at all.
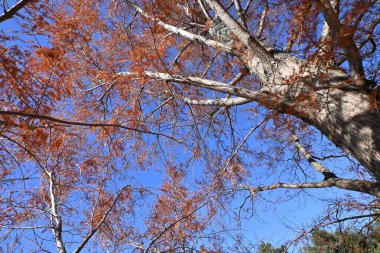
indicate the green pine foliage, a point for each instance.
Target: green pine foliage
{"x":346,"y":241}
{"x":269,"y":248}
{"x":365,"y":240}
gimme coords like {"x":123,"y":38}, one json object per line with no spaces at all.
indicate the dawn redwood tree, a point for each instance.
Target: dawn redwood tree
{"x":128,"y":125}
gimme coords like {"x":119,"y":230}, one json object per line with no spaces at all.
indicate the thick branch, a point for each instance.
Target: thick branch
{"x":242,"y":35}
{"x":211,"y":85}
{"x":184,"y":33}
{"x":214,"y":102}
{"x":347,"y":184}
{"x":353,"y":56}
{"x":368,"y":38}
{"x":316,"y":165}
{"x":13,"y":10}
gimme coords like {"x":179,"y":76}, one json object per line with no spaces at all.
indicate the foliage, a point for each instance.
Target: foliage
{"x":160,"y":125}
{"x":345,"y":241}
{"x":268,"y":248}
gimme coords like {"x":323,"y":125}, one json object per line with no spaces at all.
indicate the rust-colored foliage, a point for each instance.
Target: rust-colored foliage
{"x":128,"y":126}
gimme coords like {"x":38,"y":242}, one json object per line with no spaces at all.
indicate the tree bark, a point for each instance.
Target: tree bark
{"x":330,"y":101}
{"x":351,"y":122}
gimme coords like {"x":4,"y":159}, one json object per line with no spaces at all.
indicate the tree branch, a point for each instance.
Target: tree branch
{"x":230,"y":159}
{"x":174,"y":61}
{"x":368,"y":187}
{"x":239,"y":10}
{"x":78,"y":123}
{"x":368,"y":38}
{"x":183,"y":217}
{"x":316,"y":165}
{"x":13,"y":10}
{"x":94,"y":230}
{"x":353,"y":56}
{"x":246,"y":8}
{"x":214,"y":102}
{"x":55,"y":217}
{"x":237,"y":78}
{"x":208,"y":84}
{"x":184,"y":33}
{"x":262,"y":20}
{"x":207,"y":15}
{"x":242,"y":35}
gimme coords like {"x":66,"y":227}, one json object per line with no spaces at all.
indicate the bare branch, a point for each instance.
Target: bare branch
{"x":262,"y":20}
{"x":214,"y":102}
{"x":329,"y":157}
{"x":17,"y":179}
{"x":373,"y":49}
{"x":184,"y":33}
{"x":244,"y":141}
{"x":24,"y":228}
{"x":13,"y":10}
{"x":212,"y":85}
{"x":368,"y":187}
{"x":78,"y":123}
{"x":204,"y":10}
{"x":179,"y":54}
{"x":316,"y":165}
{"x":240,"y":13}
{"x":240,"y":32}
{"x":246,"y":8}
{"x":237,"y":78}
{"x":353,"y":56}
{"x":209,"y":65}
{"x":158,"y":107}
{"x":94,"y":230}
{"x":107,"y":90}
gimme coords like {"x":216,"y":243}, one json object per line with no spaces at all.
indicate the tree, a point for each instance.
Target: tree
{"x":98,"y":96}
{"x":268,"y":248}
{"x":340,"y":241}
{"x":344,"y":241}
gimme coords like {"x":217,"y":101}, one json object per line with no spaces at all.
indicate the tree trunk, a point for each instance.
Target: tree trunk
{"x":351,"y":122}
{"x":339,"y":105}
{"x":329,"y":100}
